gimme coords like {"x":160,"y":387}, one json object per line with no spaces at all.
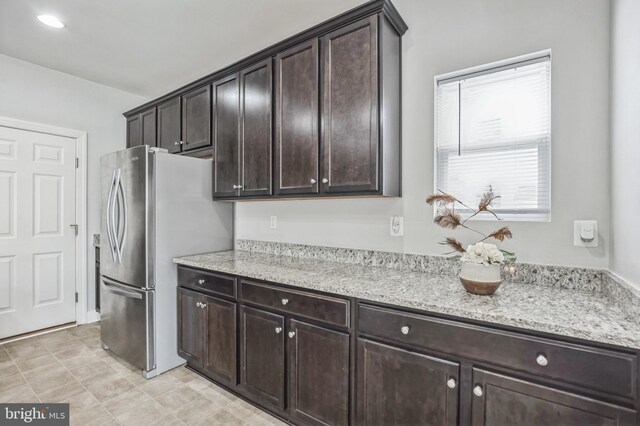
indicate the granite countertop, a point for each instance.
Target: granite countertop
{"x":564,"y":312}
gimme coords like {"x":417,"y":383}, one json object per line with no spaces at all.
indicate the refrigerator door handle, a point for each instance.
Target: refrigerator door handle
{"x":115,"y":289}
{"x":122,"y":217}
{"x":108,"y":217}
{"x":115,"y":225}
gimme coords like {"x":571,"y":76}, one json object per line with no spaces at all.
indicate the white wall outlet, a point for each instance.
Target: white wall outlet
{"x":585,"y":233}
{"x":396,"y":226}
{"x":273,"y":222}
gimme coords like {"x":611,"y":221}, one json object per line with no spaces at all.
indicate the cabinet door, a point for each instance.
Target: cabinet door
{"x":501,"y":400}
{"x":169,"y":125}
{"x":148,"y":126}
{"x":262,"y":355}
{"x":318,"y":374}
{"x":226,"y":117}
{"x":297,"y":120}
{"x":196,"y":118}
{"x":190,"y":326}
{"x":350,"y":108}
{"x":220,"y":339}
{"x":398,"y":387}
{"x":133,"y":131}
{"x":255,"y":129}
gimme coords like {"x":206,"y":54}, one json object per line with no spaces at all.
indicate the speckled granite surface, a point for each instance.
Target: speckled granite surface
{"x":527,"y":273}
{"x":566,"y":312}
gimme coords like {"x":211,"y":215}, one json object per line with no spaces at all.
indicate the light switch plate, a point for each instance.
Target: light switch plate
{"x":273,"y":222}
{"x":396,"y":226}
{"x":577,"y":227}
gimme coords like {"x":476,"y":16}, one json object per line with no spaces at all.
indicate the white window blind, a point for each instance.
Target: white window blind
{"x":493,"y":132}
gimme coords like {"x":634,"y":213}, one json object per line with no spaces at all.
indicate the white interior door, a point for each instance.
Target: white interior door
{"x":37,"y":244}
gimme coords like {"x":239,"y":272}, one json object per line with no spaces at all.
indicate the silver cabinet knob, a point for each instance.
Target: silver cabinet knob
{"x":405,"y":329}
{"x":278,"y":330}
{"x":201,"y":281}
{"x":181,"y":142}
{"x":312,"y":180}
{"x":291,"y":334}
{"x":477,"y":391}
{"x":451,"y":383}
{"x":325,"y":180}
{"x":285,"y":301}
{"x":237,"y":186}
{"x":201,"y":305}
{"x":176,"y":143}
{"x":542,"y":360}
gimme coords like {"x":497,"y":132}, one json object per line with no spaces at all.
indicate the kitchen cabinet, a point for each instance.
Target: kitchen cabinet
{"x":168,"y":115}
{"x":220,"y":339}
{"x":350,"y":108}
{"x":400,"y":387}
{"x":196,"y":119}
{"x":318,"y":374}
{"x":191,"y":326}
{"x":141,"y":129}
{"x":262,"y":355}
{"x":297,"y":144}
{"x":226,"y":115}
{"x":314,"y":358}
{"x":502,"y":400}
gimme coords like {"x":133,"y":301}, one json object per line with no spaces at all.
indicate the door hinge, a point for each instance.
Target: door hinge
{"x":75,"y":228}
{"x":76,"y":297}
{"x":77,"y":162}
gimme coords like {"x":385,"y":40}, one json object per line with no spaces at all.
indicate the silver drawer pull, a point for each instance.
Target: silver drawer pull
{"x":291,"y":334}
{"x":202,"y":281}
{"x":542,"y":360}
{"x":477,"y":391}
{"x":278,"y":330}
{"x":451,"y":383}
{"x":285,"y":301}
{"x":405,"y":329}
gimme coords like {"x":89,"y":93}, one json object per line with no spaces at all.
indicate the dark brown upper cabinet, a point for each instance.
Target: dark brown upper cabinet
{"x":169,"y":125}
{"x":350,"y":108}
{"x":141,"y":129}
{"x":502,"y":400}
{"x":226,"y":132}
{"x":297,"y":144}
{"x":324,"y":122}
{"x":196,"y":118}
{"x":256,"y":120}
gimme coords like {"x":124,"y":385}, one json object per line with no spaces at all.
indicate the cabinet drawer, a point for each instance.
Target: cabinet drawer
{"x":322,"y":308}
{"x":599,"y":370}
{"x":207,"y":282}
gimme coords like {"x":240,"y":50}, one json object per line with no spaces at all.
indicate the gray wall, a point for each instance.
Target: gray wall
{"x":34,"y":93}
{"x":625,"y":139}
{"x":451,"y":35}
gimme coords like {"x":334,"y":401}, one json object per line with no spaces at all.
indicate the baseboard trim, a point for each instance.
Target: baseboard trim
{"x":92,"y":316}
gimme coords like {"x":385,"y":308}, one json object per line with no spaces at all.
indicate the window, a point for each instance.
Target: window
{"x":493,"y":133}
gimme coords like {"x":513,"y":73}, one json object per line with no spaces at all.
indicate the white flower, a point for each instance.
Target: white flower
{"x":483,"y":253}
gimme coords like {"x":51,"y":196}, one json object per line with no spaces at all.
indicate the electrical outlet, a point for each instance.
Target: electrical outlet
{"x":273,"y":223}
{"x":396,"y":226}
{"x":585,"y":233}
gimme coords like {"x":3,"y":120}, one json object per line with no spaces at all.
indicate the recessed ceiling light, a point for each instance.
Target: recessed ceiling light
{"x":51,"y":21}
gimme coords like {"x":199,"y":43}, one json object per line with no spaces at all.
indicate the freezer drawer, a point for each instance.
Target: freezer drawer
{"x":126,"y":322}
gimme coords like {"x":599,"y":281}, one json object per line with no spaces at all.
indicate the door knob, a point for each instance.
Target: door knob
{"x":278,"y":330}
{"x":291,"y":334}
{"x":477,"y":391}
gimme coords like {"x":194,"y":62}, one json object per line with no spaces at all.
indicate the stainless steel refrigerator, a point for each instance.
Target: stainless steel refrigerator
{"x":155,"y":206}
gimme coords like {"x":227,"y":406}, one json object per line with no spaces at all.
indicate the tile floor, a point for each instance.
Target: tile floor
{"x":70,"y":366}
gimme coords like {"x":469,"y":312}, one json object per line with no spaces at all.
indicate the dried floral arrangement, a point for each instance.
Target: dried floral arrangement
{"x":480,"y":252}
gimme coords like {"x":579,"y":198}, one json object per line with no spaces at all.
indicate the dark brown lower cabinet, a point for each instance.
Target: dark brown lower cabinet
{"x":398,"y":387}
{"x":318,"y":374}
{"x":220,"y":339}
{"x":262,"y":355}
{"x":191,"y":326}
{"x":502,"y":400}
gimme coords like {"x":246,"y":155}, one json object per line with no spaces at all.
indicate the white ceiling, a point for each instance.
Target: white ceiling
{"x":150,"y":47}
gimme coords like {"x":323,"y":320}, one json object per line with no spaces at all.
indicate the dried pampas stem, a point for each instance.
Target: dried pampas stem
{"x":454,"y":244}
